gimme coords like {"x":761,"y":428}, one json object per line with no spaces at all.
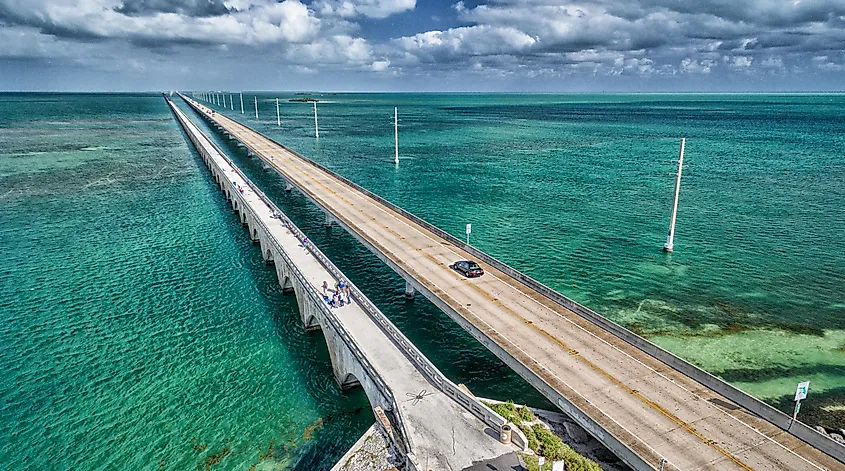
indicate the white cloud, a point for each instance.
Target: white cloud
{"x":334,"y":50}
{"x":825,"y":63}
{"x":380,"y":66}
{"x":472,"y":40}
{"x":253,"y":22}
{"x":739,"y":62}
{"x":692,"y":66}
{"x":369,"y":8}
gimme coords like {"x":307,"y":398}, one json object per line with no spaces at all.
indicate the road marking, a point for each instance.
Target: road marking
{"x":412,"y":226}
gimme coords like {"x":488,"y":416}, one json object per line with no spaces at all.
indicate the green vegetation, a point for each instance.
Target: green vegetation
{"x":531,"y":436}
{"x":532,"y":462}
{"x":541,"y":440}
{"x":525,"y":414}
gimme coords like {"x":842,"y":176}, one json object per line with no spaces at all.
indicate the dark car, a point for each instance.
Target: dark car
{"x":468,"y":268}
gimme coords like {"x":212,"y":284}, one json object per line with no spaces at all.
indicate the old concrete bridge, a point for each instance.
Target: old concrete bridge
{"x":651,"y":408}
{"x":429,"y":420}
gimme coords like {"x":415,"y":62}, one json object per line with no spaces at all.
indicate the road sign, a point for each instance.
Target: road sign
{"x":801,"y":392}
{"x":469,"y":228}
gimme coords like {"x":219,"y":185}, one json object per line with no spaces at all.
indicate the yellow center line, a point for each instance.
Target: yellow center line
{"x":531,"y":324}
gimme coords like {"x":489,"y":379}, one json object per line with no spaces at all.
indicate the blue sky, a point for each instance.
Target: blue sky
{"x":409,"y":45}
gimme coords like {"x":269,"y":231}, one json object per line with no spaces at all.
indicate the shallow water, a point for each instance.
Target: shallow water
{"x":141,"y":328}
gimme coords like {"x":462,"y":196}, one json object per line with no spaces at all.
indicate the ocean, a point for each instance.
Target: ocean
{"x":141,"y":329}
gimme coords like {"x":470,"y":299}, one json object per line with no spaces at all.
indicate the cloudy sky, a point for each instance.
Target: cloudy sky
{"x":426,"y":45}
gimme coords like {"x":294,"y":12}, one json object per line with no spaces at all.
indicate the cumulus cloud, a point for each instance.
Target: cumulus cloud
{"x":508,"y":39}
{"x":368,"y":8}
{"x":153,"y":21}
{"x":643,"y":37}
{"x":739,"y":62}
{"x":380,"y":66}
{"x":692,"y":66}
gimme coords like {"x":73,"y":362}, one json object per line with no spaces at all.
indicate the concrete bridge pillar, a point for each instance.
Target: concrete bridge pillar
{"x":328,"y":221}
{"x":409,"y":291}
{"x":308,"y":312}
{"x":283,"y":274}
{"x":254,"y":235}
{"x":288,"y":187}
{"x":267,"y":253}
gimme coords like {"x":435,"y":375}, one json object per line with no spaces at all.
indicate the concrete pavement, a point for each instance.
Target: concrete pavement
{"x":445,"y":436}
{"x":630,"y":397}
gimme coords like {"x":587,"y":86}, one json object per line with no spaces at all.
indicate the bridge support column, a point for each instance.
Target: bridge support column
{"x":287,"y":285}
{"x":328,"y":221}
{"x":409,"y":291}
{"x":288,"y":187}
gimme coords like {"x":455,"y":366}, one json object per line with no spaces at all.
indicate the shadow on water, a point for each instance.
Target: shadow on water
{"x":343,"y":415}
{"x":454,"y":351}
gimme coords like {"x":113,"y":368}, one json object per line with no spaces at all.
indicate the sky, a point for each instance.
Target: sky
{"x":423,"y":45}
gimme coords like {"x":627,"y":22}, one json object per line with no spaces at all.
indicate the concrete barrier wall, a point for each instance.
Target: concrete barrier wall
{"x":469,"y":402}
{"x":754,"y":405}
{"x":312,"y":297}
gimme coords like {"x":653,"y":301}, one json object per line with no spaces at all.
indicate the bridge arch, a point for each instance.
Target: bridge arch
{"x":348,"y":370}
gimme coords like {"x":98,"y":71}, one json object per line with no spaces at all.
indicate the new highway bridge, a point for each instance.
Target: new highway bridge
{"x":652,"y":409}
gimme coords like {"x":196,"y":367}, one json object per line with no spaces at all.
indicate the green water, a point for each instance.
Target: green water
{"x":141,"y":330}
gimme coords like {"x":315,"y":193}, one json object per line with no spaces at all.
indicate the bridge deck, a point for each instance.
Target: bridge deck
{"x":445,"y":436}
{"x":651,"y":408}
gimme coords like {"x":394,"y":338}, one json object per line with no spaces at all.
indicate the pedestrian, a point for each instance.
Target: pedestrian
{"x":334,"y":299}
{"x":348,"y":295}
{"x":325,"y":287}
{"x":305,"y":242}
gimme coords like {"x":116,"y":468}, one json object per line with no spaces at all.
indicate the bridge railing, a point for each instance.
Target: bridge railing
{"x":718,"y":385}
{"x":330,"y":316}
{"x":420,"y":361}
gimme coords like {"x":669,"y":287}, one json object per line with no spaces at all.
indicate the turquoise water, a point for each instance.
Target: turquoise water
{"x":575,"y":190}
{"x":141,"y":330}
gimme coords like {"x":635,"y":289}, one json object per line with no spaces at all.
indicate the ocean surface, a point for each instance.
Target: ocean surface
{"x":140,"y":329}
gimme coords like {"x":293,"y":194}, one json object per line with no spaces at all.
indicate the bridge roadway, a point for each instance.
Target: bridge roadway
{"x":443,"y":434}
{"x":641,"y":408}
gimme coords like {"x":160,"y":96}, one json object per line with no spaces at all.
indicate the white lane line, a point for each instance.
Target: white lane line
{"x":435,"y":244}
{"x":405,"y":223}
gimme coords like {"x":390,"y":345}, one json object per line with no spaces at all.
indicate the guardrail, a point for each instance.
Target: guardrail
{"x":423,"y":364}
{"x":338,"y":327}
{"x":760,"y":408}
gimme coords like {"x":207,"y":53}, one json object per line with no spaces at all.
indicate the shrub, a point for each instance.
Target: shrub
{"x":506,"y":410}
{"x":552,"y":446}
{"x":554,"y":449}
{"x":525,"y":414}
{"x":532,"y":463}
{"x":531,"y":436}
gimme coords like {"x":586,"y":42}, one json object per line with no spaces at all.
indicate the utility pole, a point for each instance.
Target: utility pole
{"x":396,"y":136}
{"x":256,"y":108}
{"x":242,"y":102}
{"x":316,"y":127}
{"x":670,"y":239}
{"x":278,"y":116}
